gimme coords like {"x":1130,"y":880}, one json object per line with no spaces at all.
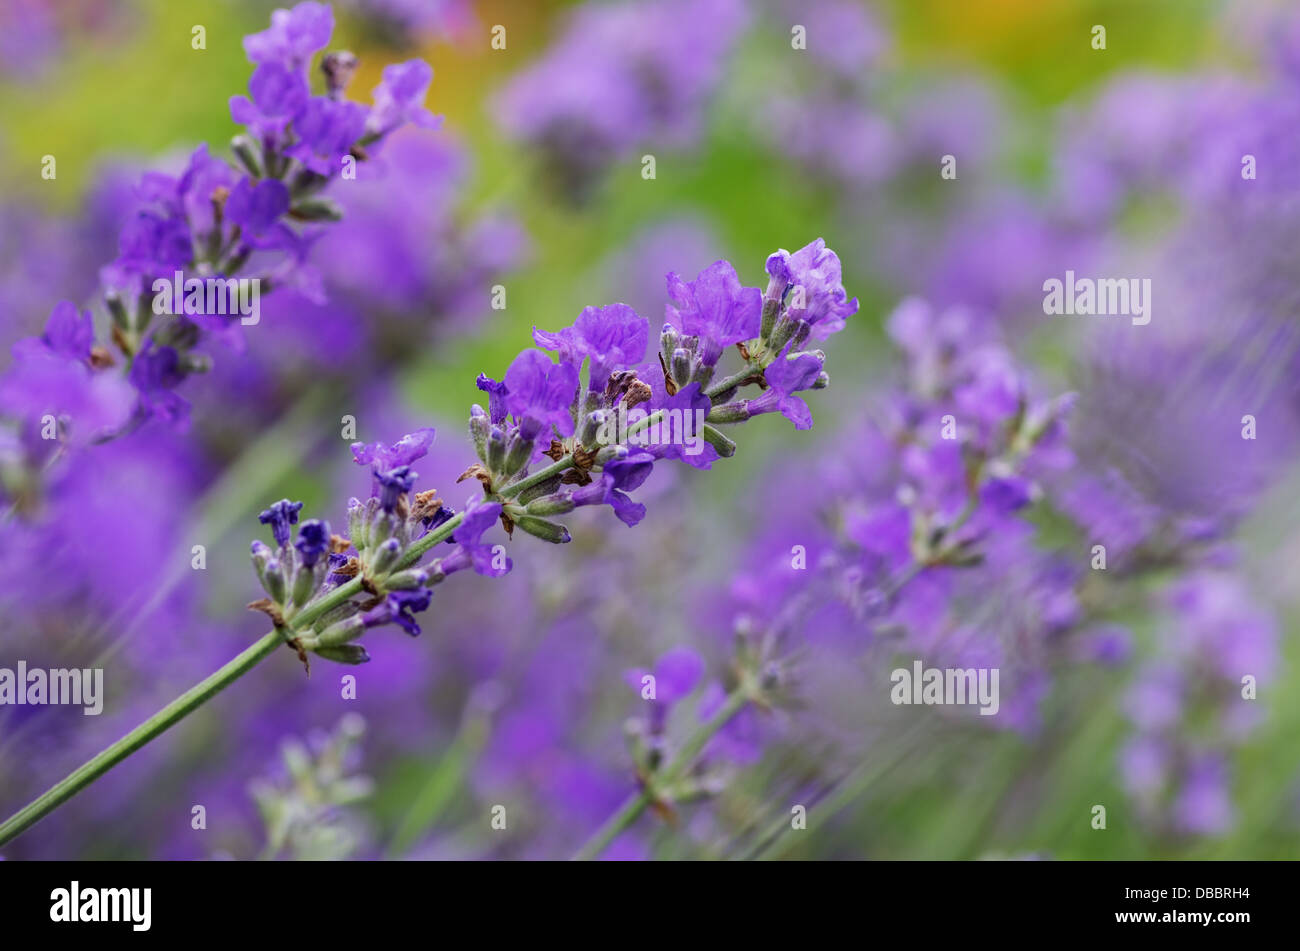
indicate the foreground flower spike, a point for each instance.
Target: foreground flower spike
{"x":200,"y":249}
{"x":375,"y":576}
{"x":599,"y":415}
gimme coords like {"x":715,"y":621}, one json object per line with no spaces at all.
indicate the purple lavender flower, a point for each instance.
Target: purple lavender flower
{"x":786,"y":376}
{"x":157,"y":239}
{"x":155,"y":373}
{"x":278,"y":94}
{"x":69,"y":333}
{"x":387,"y":459}
{"x":313,"y":540}
{"x":811,"y":278}
{"x":400,"y":608}
{"x":257,"y":208}
{"x":497,"y":410}
{"x":618,"y":477}
{"x":52,"y":374}
{"x":471,"y":551}
{"x":393,"y":484}
{"x":408,"y":449}
{"x":280,"y":516}
{"x":613,"y":337}
{"x":327,"y":130}
{"x":715,"y":308}
{"x":399,"y":99}
{"x":43,"y":382}
{"x":676,"y":673}
{"x":619,"y":76}
{"x":293,"y":37}
{"x":538,"y":393}
{"x":1204,"y":806}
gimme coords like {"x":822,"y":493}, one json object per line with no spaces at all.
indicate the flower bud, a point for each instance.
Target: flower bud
{"x":496,"y":450}
{"x":345,"y":654}
{"x":545,"y":487}
{"x":340,"y":613}
{"x":552,"y":505}
{"x":681,"y":366}
{"x":552,"y":532}
{"x":194,"y":363}
{"x":247,"y":152}
{"x":736,"y":412}
{"x":610,"y":453}
{"x":669,"y":341}
{"x":273,"y":580}
{"x":803,"y":330}
{"x":781,"y":334}
{"x":479,"y":425}
{"x":407,"y":580}
{"x":306,"y":579}
{"x":721,"y":444}
{"x":261,"y":557}
{"x":340,"y":632}
{"x":382,"y":525}
{"x":317,"y":209}
{"x":384,"y":558}
{"x":771,"y":308}
{"x":519,"y":451}
{"x":703,"y":374}
{"x":591,"y":426}
{"x":338,"y":67}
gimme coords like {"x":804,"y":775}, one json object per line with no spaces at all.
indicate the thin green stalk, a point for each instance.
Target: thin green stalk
{"x":838,"y":795}
{"x":636,"y":804}
{"x":168,"y":716}
{"x":727,"y":383}
{"x":555,"y":468}
{"x":196,"y":696}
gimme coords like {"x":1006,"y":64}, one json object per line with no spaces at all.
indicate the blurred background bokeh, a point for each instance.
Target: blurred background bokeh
{"x":1123,"y":692}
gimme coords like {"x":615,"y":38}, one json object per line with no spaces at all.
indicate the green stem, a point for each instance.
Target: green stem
{"x":555,"y":468}
{"x":196,"y":696}
{"x":727,"y":383}
{"x":165,"y":718}
{"x":636,"y":804}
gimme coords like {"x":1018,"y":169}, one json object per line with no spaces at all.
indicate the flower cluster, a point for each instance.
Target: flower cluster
{"x":602,"y":416}
{"x":202,"y":246}
{"x":622,"y":76}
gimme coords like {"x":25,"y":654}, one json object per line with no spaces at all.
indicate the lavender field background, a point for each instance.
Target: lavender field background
{"x":1121,"y":686}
